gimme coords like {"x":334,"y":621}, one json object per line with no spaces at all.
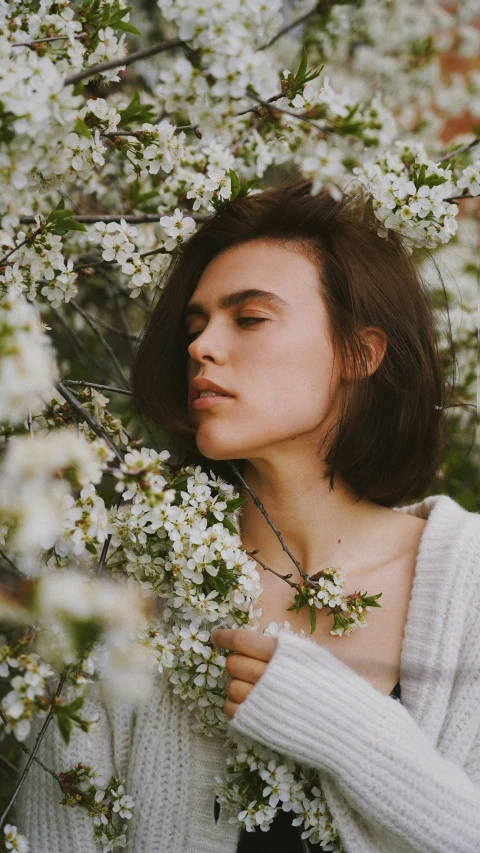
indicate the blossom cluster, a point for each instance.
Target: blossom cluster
{"x":30,"y":691}
{"x":235,"y":31}
{"x":27,"y":362}
{"x":94,"y":624}
{"x":182,"y":134}
{"x":410,"y":193}
{"x":259,"y":783}
{"x":118,"y":245}
{"x":14,"y":841}
{"x":36,"y":477}
{"x":107,"y":804}
{"x":206,"y":579}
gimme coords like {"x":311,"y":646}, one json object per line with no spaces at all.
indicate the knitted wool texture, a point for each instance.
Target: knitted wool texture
{"x":397,"y":777}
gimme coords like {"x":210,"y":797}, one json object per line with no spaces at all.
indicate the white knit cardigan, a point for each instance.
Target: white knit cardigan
{"x":397,"y":777}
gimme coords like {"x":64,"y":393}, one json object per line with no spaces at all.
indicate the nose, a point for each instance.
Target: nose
{"x":207,"y":347}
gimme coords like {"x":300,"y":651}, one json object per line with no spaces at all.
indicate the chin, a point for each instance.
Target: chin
{"x":219,"y":451}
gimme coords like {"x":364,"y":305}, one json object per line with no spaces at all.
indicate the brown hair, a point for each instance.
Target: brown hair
{"x":388,"y":438}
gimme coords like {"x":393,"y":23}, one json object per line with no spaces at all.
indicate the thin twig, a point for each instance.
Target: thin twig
{"x":101,"y":217}
{"x":461,"y":150}
{"x":12,"y":565}
{"x":106,"y":544}
{"x":125,"y":60}
{"x":43,"y":41}
{"x":269,"y":569}
{"x":10,"y":767}
{"x":102,"y":340}
{"x":28,"y":751}
{"x":326,"y":128}
{"x":93,"y":424}
{"x":35,"y":749}
{"x":96,"y":385}
{"x":82,"y":351}
{"x":111,"y":328}
{"x":459,"y":197}
{"x":260,"y":506}
{"x":123,"y":320}
{"x":23,"y":243}
{"x":292,"y":25}
{"x":30,"y":423}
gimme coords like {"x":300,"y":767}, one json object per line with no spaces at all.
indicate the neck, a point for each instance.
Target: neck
{"x":320,"y":527}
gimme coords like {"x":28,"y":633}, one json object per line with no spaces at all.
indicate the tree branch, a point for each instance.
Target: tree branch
{"x":23,"y":243}
{"x":461,"y":150}
{"x":125,"y":60}
{"x":38,"y":741}
{"x":102,"y":340}
{"x":323,"y":129}
{"x":262,"y":509}
{"x":96,"y":385}
{"x":292,"y":25}
{"x":80,"y":347}
{"x":12,"y":565}
{"x":460,"y":197}
{"x":109,"y":217}
{"x":29,"y":752}
{"x":269,"y":569}
{"x":110,"y":328}
{"x":43,"y":41}
{"x":86,"y":416}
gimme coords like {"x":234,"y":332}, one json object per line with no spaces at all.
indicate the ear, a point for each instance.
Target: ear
{"x":374,"y":344}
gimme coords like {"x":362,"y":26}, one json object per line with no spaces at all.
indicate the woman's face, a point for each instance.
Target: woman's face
{"x":275,"y":359}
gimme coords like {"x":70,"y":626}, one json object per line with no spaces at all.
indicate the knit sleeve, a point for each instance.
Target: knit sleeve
{"x":49,"y":826}
{"x":312,"y":707}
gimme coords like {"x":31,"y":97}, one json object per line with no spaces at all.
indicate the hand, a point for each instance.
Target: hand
{"x":251,"y":654}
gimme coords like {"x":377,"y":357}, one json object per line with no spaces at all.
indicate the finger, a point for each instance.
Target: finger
{"x":245,"y":668}
{"x":248,"y":643}
{"x":230,"y":708}
{"x":237,"y":691}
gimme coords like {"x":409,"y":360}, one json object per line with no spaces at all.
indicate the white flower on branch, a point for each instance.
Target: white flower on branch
{"x":14,"y":841}
{"x":177,"y":228}
{"x":411,"y":198}
{"x":36,"y":476}
{"x":30,"y":691}
{"x":27,"y":363}
{"x":470,"y":179}
{"x":109,"y":46}
{"x":108,"y":117}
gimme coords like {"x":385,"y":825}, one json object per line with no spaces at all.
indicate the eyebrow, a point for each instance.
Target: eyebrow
{"x":236,"y":298}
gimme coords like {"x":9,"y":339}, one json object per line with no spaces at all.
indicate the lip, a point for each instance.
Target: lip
{"x":207,"y":402}
{"x":203,"y":384}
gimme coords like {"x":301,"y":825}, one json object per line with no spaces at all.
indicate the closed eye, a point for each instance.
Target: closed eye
{"x":240,"y":320}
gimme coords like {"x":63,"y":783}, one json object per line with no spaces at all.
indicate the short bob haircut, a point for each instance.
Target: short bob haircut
{"x":386,"y":442}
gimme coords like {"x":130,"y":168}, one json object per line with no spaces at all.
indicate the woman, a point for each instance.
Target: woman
{"x":319,"y":335}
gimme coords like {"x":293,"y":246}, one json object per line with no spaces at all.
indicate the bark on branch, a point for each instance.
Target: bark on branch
{"x":125,"y":60}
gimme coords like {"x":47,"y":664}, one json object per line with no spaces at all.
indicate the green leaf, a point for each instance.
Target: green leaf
{"x":85,"y":632}
{"x":136,"y":111}
{"x":73,"y":225}
{"x":125,"y":27}
{"x":230,"y":526}
{"x":302,"y":66}
{"x":313,"y":617}
{"x":64,"y":726}
{"x":82,"y":129}
{"x":73,"y":706}
{"x":220,"y":586}
{"x":235,"y":183}
{"x":234,"y":503}
{"x":371,"y":600}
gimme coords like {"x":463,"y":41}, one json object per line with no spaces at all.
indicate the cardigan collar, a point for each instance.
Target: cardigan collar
{"x":437,"y":609}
